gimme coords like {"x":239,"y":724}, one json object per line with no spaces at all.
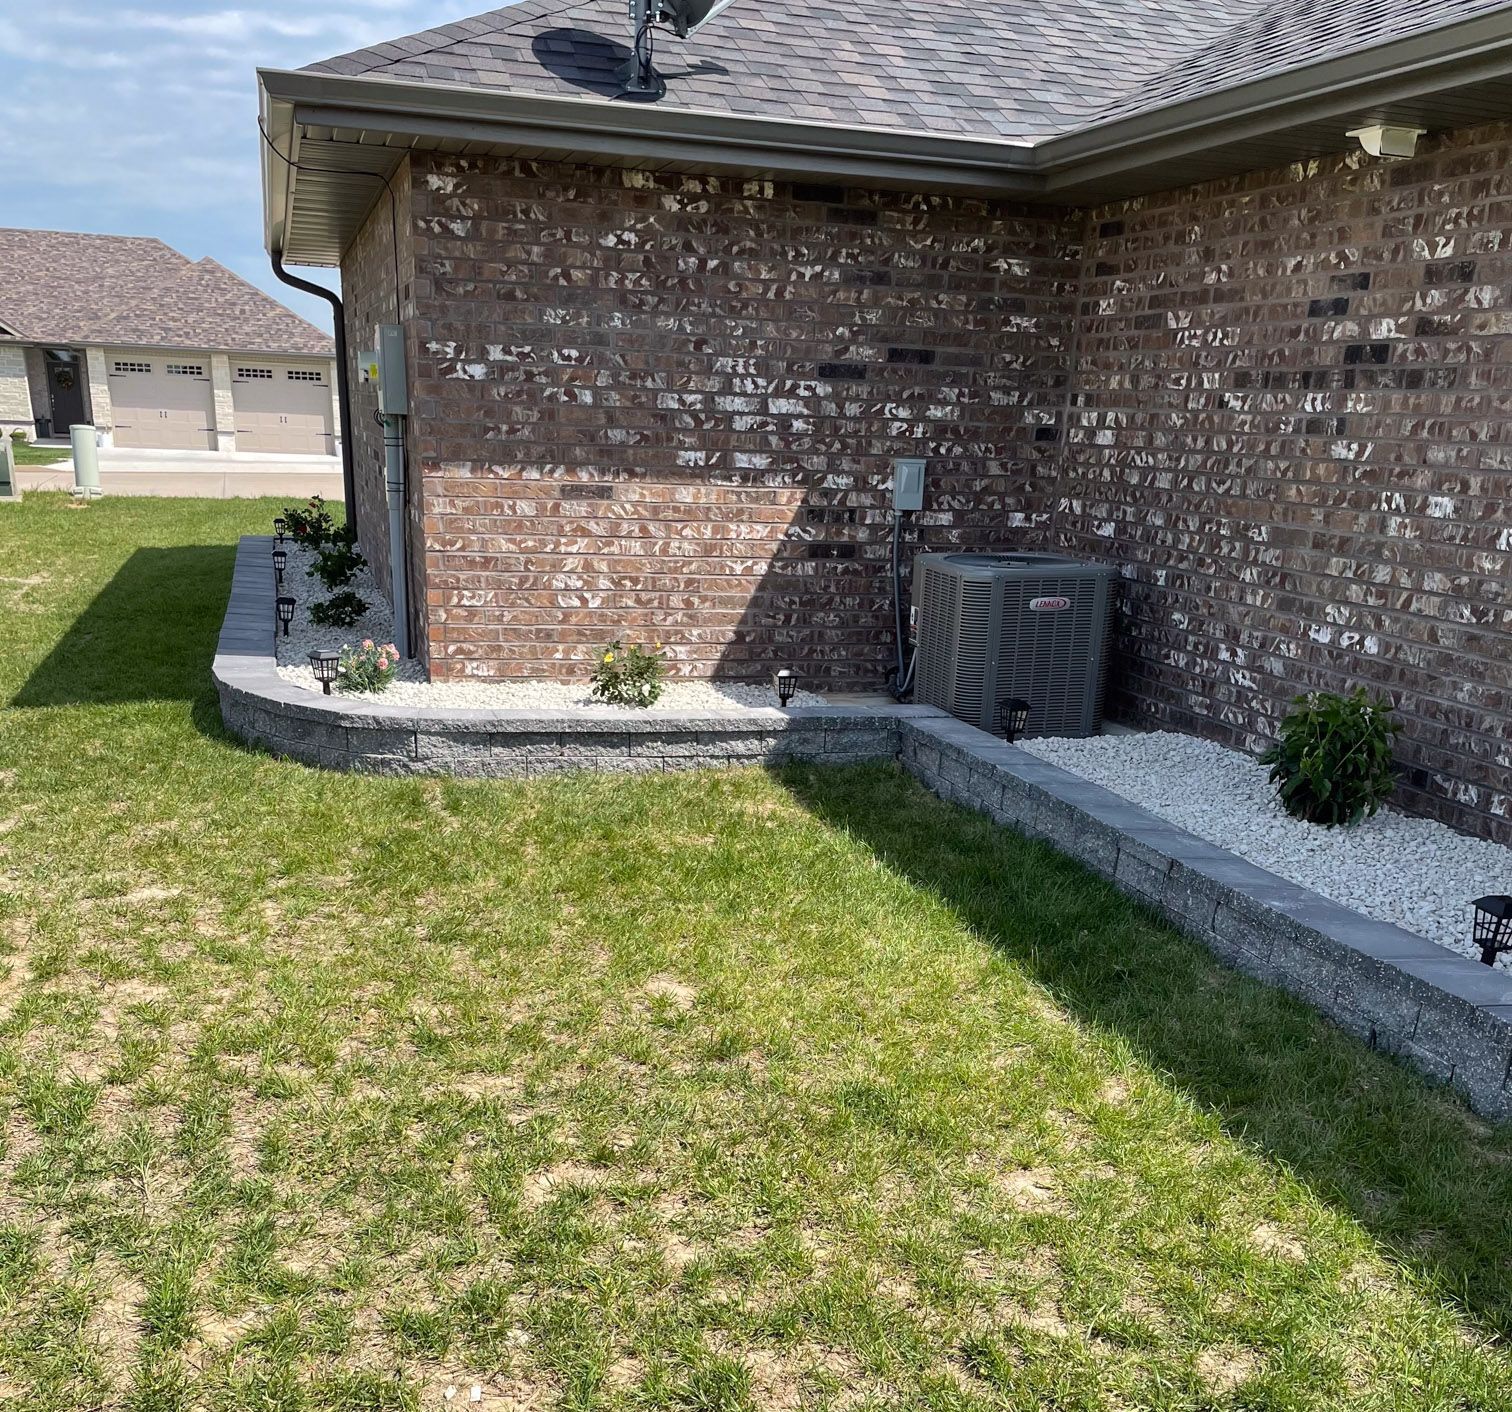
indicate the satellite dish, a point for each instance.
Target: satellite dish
{"x":685,"y":16}
{"x":682,"y":17}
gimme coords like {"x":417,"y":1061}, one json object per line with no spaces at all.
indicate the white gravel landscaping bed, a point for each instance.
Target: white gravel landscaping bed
{"x":1417,"y":873}
{"x":410,"y":687}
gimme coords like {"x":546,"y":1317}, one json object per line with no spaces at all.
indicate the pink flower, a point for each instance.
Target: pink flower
{"x":367,"y":644}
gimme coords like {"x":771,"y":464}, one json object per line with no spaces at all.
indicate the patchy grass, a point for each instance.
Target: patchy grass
{"x":717,"y":1091}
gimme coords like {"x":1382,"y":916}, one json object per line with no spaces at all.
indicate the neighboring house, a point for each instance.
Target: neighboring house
{"x":1119,"y":270}
{"x":154,"y":349}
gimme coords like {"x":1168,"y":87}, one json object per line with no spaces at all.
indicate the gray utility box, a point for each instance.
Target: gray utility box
{"x":1035,"y":626}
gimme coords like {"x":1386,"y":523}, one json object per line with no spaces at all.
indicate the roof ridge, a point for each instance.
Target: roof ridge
{"x":1219,"y":33}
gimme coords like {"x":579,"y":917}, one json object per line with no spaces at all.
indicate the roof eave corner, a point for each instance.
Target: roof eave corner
{"x":276,"y":155}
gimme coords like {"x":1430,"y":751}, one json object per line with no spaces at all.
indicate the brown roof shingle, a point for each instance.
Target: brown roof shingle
{"x":69,"y":287}
{"x":1017,"y":70}
{"x":1014,"y":71}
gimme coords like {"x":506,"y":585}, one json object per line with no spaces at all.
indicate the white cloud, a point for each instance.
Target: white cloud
{"x":143,"y":121}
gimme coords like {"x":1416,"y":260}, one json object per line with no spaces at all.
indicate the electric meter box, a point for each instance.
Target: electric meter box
{"x":383,"y":367}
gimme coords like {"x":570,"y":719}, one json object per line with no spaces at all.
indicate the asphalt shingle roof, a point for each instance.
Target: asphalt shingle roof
{"x":962,"y":67}
{"x":1286,"y":34}
{"x":1017,"y":70}
{"x":68,"y":287}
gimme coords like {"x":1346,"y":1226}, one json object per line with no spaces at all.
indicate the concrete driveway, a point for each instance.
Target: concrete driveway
{"x":216,"y":475}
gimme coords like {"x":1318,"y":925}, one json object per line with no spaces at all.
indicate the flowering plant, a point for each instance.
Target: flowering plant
{"x":310,"y":524}
{"x":369,"y":667}
{"x":632,"y":678}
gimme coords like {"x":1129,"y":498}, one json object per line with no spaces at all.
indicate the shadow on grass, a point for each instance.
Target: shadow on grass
{"x":148,"y":635}
{"x":1428,"y":1180}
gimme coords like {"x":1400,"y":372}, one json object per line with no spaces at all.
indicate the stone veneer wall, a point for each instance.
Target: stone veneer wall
{"x":15,"y":396}
{"x":36,"y":377}
{"x":667,"y":406}
{"x":1291,"y":428}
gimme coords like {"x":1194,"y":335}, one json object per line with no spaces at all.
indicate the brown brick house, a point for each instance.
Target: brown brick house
{"x":1121,"y":273}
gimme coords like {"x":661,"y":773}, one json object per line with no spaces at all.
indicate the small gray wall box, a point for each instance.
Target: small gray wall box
{"x":10,"y":488}
{"x":1033,"y":626}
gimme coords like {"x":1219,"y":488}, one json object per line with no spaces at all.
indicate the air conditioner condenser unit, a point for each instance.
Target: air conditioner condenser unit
{"x":1034,"y":626}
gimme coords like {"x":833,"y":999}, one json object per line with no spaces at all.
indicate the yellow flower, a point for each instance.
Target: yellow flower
{"x":608,"y":656}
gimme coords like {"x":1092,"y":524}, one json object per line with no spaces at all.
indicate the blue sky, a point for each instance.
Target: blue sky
{"x":142,"y":119}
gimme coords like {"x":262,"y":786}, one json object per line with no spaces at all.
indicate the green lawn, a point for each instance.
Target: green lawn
{"x":29,"y":455}
{"x":708,"y":1091}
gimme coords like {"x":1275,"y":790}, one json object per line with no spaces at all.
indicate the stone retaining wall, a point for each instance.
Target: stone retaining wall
{"x":1445,"y":1014}
{"x":260,"y":707}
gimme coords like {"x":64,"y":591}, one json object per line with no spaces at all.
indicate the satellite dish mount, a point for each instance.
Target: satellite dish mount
{"x":638,"y":74}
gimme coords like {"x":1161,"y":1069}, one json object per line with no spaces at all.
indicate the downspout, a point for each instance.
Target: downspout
{"x":343,"y":389}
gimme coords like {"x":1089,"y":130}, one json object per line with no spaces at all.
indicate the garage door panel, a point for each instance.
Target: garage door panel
{"x":280,"y":408}
{"x":162,"y":403}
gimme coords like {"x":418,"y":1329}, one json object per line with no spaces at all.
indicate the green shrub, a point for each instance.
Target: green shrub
{"x":340,"y":611}
{"x":367,"y":667}
{"x":632,"y":678}
{"x":311,"y":524}
{"x":1332,"y":762}
{"x":336,"y":565}
{"x":19,"y":437}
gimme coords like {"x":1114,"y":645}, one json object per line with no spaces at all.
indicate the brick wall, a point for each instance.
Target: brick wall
{"x":666,"y":407}
{"x":377,"y":286}
{"x":1290,"y":427}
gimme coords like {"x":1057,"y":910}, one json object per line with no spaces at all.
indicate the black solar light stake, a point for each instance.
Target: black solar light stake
{"x":285,"y":609}
{"x":784,"y":683}
{"x":280,"y":563}
{"x":280,"y":527}
{"x":1013,"y":717}
{"x":1493,"y":926}
{"x":324,"y":661}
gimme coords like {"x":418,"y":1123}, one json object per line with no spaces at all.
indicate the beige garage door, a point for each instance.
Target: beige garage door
{"x":164,"y":402}
{"x":282,"y":407}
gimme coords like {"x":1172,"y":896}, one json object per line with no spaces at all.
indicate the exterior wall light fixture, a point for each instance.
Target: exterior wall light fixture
{"x":1388,"y":139}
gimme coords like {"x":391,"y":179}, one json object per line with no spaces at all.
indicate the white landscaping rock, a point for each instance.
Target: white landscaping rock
{"x":1417,"y":873}
{"x":410,"y":688}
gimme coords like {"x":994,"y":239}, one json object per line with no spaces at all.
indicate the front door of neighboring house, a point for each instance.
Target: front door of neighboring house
{"x":65,"y":390}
